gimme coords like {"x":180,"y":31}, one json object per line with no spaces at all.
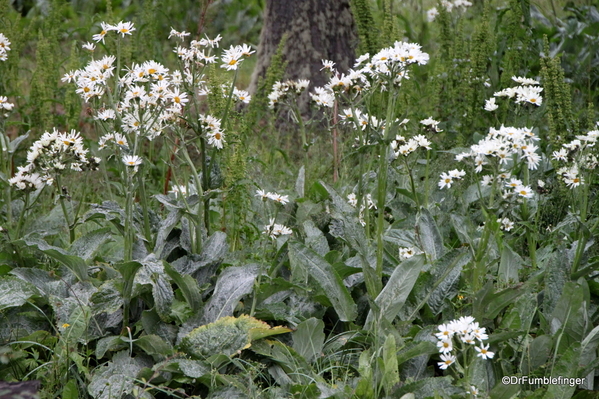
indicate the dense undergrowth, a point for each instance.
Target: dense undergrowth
{"x":428,"y":232}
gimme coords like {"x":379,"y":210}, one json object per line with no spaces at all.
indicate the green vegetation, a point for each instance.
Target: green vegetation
{"x":429,"y":231}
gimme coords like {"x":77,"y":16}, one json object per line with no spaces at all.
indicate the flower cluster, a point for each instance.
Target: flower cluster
{"x":362,"y":120}
{"x":403,"y":146}
{"x":577,"y":153}
{"x":466,"y":332}
{"x":353,"y":201}
{"x":214,"y":133}
{"x":447,"y":178}
{"x":505,"y":145}
{"x":408,"y":252}
{"x":49,"y":156}
{"x":432,"y":124}
{"x":124,"y":28}
{"x":432,"y":13}
{"x":233,"y":57}
{"x":4,"y":47}
{"x":278,"y":198}
{"x":274,"y":230}
{"x":281,"y":90}
{"x":527,"y":92}
{"x":5,"y":105}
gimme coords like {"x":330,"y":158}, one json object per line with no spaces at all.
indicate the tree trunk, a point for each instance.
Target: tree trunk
{"x":317,"y":30}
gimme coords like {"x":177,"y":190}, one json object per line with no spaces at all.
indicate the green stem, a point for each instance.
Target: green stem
{"x":22,"y":217}
{"x":129,"y":219}
{"x":200,"y":193}
{"x":382,"y":185}
{"x":64,"y":211}
{"x":144,"y":205}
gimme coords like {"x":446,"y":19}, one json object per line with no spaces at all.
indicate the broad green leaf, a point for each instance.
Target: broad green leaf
{"x":70,"y":390}
{"x":73,"y":263}
{"x":188,"y":285}
{"x":566,"y":366}
{"x":86,"y":246}
{"x":325,"y":276}
{"x":539,"y":351}
{"x":14,"y":292}
{"x":416,"y":349}
{"x":396,"y":291}
{"x":308,"y":338}
{"x":154,"y":345}
{"x":428,"y":235}
{"x":505,"y":391}
{"x":76,"y":328}
{"x":128,"y":270}
{"x":108,"y":344}
{"x":570,"y":315}
{"x":232,"y":284}
{"x":391,"y":370}
{"x":446,"y":274}
{"x":509,"y":265}
{"x":227,"y":336}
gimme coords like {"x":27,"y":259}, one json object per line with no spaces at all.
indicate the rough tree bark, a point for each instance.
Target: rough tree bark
{"x":317,"y":30}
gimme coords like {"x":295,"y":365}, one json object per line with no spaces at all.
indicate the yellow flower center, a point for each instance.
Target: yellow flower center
{"x":232,"y":62}
{"x":217,"y":136}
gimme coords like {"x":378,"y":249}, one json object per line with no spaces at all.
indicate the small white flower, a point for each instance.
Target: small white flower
{"x":484,"y":352}
{"x":447,"y":360}
{"x":490,"y":104}
{"x":132,"y":160}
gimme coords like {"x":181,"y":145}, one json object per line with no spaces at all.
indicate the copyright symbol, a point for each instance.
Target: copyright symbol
{"x":505,"y":380}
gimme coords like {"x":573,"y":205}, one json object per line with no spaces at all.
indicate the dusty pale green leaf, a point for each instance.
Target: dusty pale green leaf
{"x":14,"y":145}
{"x":115,"y":378}
{"x":396,"y":291}
{"x":439,"y":387}
{"x":570,"y":316}
{"x":86,"y":246}
{"x":325,"y":276}
{"x":14,"y":291}
{"x":42,"y":280}
{"x":446,"y":274}
{"x":315,"y":239}
{"x":429,"y":236}
{"x":227,"y":336}
{"x":557,"y":270}
{"x":308,"y":338}
{"x":193,"y":368}
{"x":108,"y":298}
{"x":232,"y":284}
{"x":391,"y":370}
{"x":567,"y":365}
{"x":509,"y":265}
{"x":163,"y":296}
{"x":165,"y":228}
